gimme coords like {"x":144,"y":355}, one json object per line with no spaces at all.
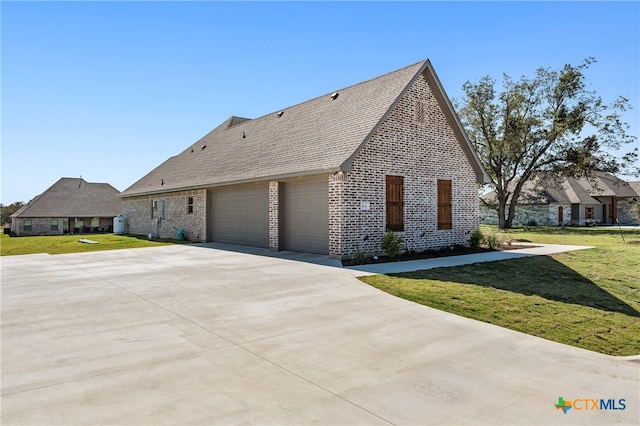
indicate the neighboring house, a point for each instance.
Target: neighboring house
{"x":71,"y":205}
{"x":568,"y":201}
{"x":329,"y":175}
{"x":635,"y":186}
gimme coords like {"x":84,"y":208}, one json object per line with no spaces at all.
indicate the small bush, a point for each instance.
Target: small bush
{"x":476,"y":239}
{"x":498,"y":239}
{"x":360,"y":257}
{"x":491,"y":239}
{"x":392,"y":244}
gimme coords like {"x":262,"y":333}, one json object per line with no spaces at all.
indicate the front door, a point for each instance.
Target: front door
{"x":560,"y":215}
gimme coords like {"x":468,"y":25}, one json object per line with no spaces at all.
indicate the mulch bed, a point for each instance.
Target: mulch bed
{"x":456,"y":250}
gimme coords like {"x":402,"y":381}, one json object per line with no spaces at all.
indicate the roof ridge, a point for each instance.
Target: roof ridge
{"x":328,"y":93}
{"x":321,"y":136}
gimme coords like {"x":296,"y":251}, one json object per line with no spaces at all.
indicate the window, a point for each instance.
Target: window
{"x":589,"y":213}
{"x":189,"y":204}
{"x":54,"y":224}
{"x":444,"y":204}
{"x":95,"y":222}
{"x":157,"y":209}
{"x":27,"y":225}
{"x":395,"y":203}
{"x":79,"y":224}
{"x":154,"y":208}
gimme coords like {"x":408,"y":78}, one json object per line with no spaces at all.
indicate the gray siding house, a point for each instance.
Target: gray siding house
{"x":71,"y":205}
{"x":600,"y":200}
{"x":325,"y":176}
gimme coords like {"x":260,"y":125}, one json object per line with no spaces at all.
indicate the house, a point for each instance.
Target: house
{"x":635,"y":185}
{"x":546,"y":200}
{"x":329,"y":175}
{"x":71,"y":205}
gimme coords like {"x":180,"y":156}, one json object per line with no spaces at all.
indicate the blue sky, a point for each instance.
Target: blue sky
{"x":109,"y":90}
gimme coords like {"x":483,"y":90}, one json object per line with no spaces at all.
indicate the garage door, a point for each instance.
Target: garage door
{"x":240,"y":215}
{"x":306,"y":217}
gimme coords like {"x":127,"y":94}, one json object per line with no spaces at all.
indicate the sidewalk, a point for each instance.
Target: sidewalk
{"x":416,"y":265}
{"x":527,"y":249}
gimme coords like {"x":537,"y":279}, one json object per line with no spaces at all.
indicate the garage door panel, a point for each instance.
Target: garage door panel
{"x":306,"y":217}
{"x":240,"y":215}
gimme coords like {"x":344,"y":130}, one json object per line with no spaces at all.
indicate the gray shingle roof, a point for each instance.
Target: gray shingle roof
{"x":568,"y":190}
{"x":319,"y":135}
{"x":74,"y":197}
{"x":607,"y":185}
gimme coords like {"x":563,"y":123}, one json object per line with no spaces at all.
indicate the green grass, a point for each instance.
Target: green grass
{"x":587,"y":298}
{"x":58,"y":244}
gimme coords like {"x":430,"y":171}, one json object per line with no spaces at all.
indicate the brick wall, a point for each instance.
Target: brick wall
{"x":624,"y":207}
{"x":138,"y":219}
{"x":418,"y":143}
{"x":42,"y":225}
{"x":39,"y":226}
{"x":553,"y":218}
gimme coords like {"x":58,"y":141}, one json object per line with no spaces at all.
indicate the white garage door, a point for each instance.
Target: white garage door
{"x":240,"y":215}
{"x":306,"y":217}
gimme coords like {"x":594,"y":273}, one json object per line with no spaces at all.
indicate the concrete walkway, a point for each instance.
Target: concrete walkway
{"x":522,"y":250}
{"x":191,"y":334}
{"x":416,"y":265}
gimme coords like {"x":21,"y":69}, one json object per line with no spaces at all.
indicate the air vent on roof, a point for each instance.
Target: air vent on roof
{"x":202,"y":147}
{"x":334,"y":96}
{"x":280,"y":114}
{"x":243,"y":135}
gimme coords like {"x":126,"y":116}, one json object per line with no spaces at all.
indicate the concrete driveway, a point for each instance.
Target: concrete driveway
{"x":190,"y":334}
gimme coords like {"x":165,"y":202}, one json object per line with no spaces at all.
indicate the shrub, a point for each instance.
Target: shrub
{"x":391,"y":244}
{"x":498,"y":239}
{"x":491,"y":239}
{"x":476,"y":239}
{"x":360,"y":257}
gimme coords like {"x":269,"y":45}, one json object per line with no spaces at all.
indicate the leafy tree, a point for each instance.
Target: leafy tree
{"x":7,"y":211}
{"x":548,"y":123}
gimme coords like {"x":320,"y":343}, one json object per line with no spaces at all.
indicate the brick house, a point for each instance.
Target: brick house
{"x":71,"y":205}
{"x":324,"y":176}
{"x":544,"y":200}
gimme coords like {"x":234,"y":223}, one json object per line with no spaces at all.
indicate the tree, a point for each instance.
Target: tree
{"x":548,"y":123}
{"x":7,"y":211}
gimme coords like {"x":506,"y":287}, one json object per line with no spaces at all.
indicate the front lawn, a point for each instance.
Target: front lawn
{"x":57,"y":244}
{"x":587,"y":298}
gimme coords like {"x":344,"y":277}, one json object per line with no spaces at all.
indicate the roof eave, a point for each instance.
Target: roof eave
{"x":270,"y":178}
{"x":347,"y":165}
{"x":458,"y":129}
